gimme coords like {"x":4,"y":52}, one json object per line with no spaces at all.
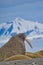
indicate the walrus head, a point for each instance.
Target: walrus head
{"x":23,"y":37}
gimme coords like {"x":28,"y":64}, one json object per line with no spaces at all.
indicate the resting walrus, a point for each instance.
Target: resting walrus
{"x":14,"y":46}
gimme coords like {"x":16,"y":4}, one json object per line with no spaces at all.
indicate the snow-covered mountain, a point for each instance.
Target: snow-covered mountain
{"x":31,"y":28}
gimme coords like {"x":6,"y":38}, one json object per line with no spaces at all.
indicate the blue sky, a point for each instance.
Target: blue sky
{"x":26,"y":9}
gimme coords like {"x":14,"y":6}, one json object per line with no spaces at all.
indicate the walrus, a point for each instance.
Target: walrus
{"x":14,"y":46}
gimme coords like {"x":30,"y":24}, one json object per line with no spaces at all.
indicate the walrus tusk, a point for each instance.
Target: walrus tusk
{"x":27,"y":40}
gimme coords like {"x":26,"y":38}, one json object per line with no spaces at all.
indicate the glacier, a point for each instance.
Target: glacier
{"x":32,"y":29}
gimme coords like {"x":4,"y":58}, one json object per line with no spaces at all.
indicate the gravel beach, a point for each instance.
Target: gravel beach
{"x":36,"y":61}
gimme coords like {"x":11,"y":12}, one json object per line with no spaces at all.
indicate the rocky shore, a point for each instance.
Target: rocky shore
{"x":36,"y":61}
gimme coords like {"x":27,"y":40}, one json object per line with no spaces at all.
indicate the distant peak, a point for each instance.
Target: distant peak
{"x":19,"y":19}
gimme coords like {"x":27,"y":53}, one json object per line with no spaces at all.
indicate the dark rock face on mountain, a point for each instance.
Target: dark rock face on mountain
{"x":13,"y":47}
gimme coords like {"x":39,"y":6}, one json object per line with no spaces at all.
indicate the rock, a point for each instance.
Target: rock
{"x":37,"y":61}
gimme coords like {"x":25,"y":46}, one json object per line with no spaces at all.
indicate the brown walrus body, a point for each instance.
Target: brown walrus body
{"x":13,"y":47}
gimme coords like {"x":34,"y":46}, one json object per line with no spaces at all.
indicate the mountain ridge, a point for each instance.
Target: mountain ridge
{"x":32,"y":29}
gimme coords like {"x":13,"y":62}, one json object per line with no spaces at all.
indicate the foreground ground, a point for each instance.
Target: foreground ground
{"x":36,"y":61}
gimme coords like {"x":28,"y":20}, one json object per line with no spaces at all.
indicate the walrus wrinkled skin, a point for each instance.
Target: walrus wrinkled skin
{"x":14,"y":46}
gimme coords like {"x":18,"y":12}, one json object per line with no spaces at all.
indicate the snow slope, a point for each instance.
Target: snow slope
{"x":31,"y":28}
